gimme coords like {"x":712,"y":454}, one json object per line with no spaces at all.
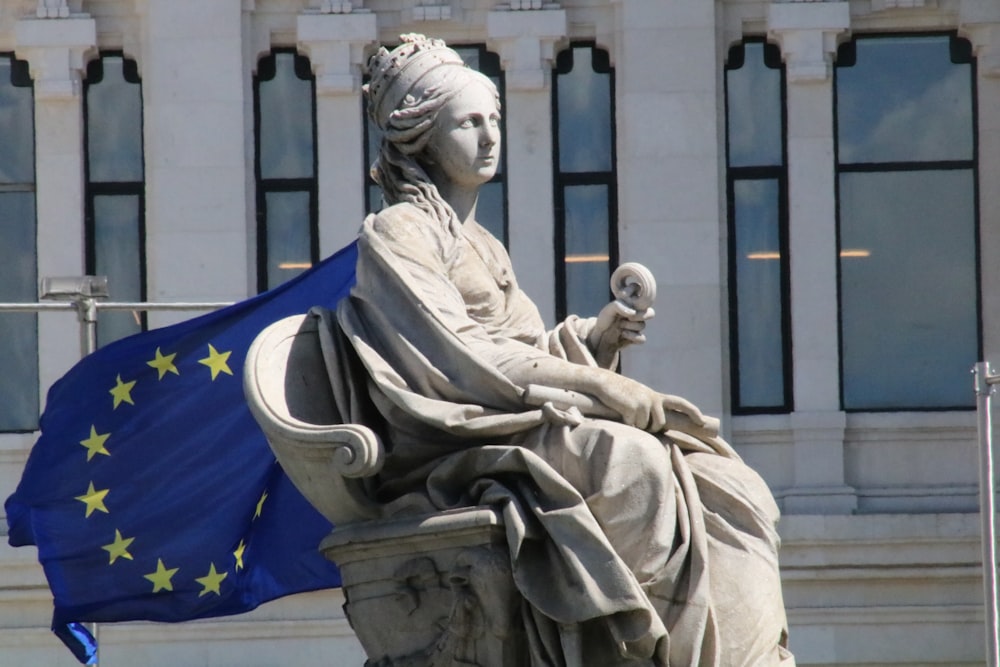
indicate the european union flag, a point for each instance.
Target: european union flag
{"x":152,"y":493}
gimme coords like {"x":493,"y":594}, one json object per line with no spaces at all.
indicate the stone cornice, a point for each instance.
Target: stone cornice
{"x":526,"y":42}
{"x":808,"y":34}
{"x":335,"y":43}
{"x":57,"y":51}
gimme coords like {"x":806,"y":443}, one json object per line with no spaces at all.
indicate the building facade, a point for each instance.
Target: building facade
{"x":813,"y":183}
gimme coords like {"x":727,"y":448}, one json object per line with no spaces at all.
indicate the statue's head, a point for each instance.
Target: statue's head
{"x":409,"y":88}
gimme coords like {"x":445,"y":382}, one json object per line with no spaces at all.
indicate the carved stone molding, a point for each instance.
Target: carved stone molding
{"x":808,"y":34}
{"x":526,"y":44}
{"x":818,"y":463}
{"x":51,"y":9}
{"x":57,"y":51}
{"x":430,"y":10}
{"x":884,"y":5}
{"x":522,"y":5}
{"x":335,"y":44}
{"x":979,"y":22}
{"x":335,"y":7}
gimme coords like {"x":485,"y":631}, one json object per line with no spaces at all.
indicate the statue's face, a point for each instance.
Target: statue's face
{"x":464,"y":150}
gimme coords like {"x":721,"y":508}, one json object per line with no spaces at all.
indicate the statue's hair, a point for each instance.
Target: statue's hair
{"x":409,"y":130}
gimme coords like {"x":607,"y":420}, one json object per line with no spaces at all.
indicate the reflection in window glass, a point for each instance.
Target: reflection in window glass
{"x":17,"y":159}
{"x":587,"y":251}
{"x":758,"y":292}
{"x":286,"y":147}
{"x":117,"y":221}
{"x":908,"y":286}
{"x":760,"y":348}
{"x":285,"y":105}
{"x":491,"y":209}
{"x":907,"y":223}
{"x":904,"y":100}
{"x":754,"y":110}
{"x":18,"y":331}
{"x":114,"y":193}
{"x":114,"y":134}
{"x":288,"y":238}
{"x":584,"y":180}
{"x":585,"y":130}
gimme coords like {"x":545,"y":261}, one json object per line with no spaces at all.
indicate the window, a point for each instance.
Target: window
{"x":585,"y":193}
{"x":906,"y":177}
{"x":491,"y":209}
{"x":756,"y":184}
{"x":285,"y":168}
{"x":18,"y":256}
{"x":115,"y":200}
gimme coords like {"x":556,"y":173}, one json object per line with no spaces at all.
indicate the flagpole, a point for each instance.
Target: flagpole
{"x":987,"y":511}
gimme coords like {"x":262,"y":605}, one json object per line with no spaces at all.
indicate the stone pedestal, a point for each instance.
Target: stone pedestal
{"x":431,"y":590}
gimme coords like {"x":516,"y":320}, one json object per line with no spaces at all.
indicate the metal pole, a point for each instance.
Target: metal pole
{"x":987,"y":512}
{"x":86,"y":311}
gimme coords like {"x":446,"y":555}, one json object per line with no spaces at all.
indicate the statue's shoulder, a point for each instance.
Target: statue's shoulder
{"x":400,"y":223}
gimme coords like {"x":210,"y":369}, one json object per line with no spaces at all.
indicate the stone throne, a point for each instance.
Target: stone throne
{"x":420,"y":590}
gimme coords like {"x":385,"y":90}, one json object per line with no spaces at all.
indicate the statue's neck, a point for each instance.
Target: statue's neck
{"x":462,"y":201}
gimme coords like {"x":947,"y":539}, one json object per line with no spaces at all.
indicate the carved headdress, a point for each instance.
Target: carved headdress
{"x":394,"y":74}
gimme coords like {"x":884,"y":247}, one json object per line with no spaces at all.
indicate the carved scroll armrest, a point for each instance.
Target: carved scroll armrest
{"x":327,"y":464}
{"x":288,"y":394}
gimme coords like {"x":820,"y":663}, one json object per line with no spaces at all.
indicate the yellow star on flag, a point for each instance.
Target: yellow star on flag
{"x":239,"y":555}
{"x":260,"y":505}
{"x":161,"y":578}
{"x":217,"y":361}
{"x":94,"y":500}
{"x":211,"y":581}
{"x":122,"y":391}
{"x":163,"y":364}
{"x":95,"y":443}
{"x":119,"y":548}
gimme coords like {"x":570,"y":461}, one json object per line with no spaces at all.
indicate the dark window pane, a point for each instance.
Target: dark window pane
{"x":289,"y":246}
{"x":117,"y":255}
{"x":490,"y":208}
{"x":286,"y":121}
{"x":908,"y":289}
{"x":114,"y":125}
{"x":17,"y":135}
{"x":754,"y":111}
{"x":587,"y":249}
{"x":760,"y":343}
{"x":904,"y":100}
{"x":18,"y":331}
{"x":584,"y":109}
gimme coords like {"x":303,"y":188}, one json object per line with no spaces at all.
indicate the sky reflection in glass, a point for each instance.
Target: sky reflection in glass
{"x":758,"y":298}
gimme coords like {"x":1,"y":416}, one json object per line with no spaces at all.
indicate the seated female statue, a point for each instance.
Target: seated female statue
{"x":646,"y":529}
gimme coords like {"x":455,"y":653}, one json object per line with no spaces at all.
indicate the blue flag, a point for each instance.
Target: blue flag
{"x":152,"y":494}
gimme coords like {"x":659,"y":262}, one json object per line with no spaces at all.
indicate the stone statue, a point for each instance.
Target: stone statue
{"x":615,"y":526}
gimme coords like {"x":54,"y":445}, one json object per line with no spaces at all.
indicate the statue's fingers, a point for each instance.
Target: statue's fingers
{"x":633,"y":337}
{"x":633,"y":325}
{"x":658,"y":418}
{"x":684,"y":406}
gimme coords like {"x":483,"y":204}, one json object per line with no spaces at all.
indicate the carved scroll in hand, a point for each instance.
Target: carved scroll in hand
{"x":634,"y":285}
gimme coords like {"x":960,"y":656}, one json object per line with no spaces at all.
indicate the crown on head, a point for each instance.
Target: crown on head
{"x":394,"y":73}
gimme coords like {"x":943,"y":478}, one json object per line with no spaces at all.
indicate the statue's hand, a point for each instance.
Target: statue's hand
{"x":644,"y":408}
{"x":617,"y":325}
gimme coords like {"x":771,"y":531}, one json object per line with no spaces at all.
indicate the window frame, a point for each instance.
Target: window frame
{"x":20,"y":77}
{"x":600,"y":63}
{"x":264,"y":186}
{"x":778,"y":173}
{"x":846,"y":57}
{"x":94,"y":189}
